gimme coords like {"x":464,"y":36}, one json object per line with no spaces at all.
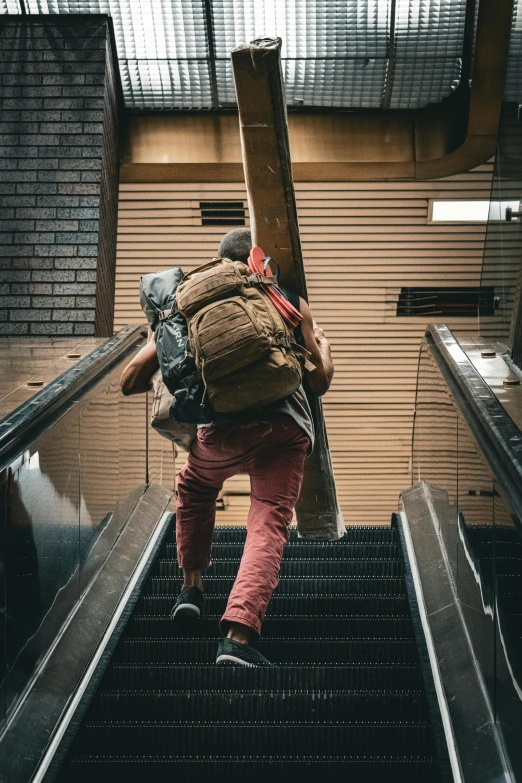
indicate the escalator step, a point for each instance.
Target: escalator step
{"x":298,"y":550}
{"x":511,"y":583}
{"x":274,"y":738}
{"x":174,"y":677}
{"x":298,"y":605}
{"x":367,"y":534}
{"x":346,"y":697}
{"x":302,"y":650}
{"x":251,"y":705}
{"x":296,"y":568}
{"x":498,"y":533}
{"x":291,"y":586}
{"x":502,"y":549}
{"x":514,"y":623}
{"x":504,"y":566}
{"x":342,"y":627}
{"x":511,"y":603}
{"x":355,"y":769}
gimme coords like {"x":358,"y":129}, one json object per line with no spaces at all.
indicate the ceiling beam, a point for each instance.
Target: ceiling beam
{"x":211,"y":40}
{"x":390,"y":56}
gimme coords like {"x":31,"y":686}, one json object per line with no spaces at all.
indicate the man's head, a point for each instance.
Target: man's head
{"x":236,"y":245}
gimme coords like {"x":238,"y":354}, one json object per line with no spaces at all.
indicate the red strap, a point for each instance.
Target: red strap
{"x":287,"y":311}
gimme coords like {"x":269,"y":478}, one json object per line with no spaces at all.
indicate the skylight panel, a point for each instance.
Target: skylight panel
{"x":427,"y":46}
{"x":144,"y":29}
{"x":340,"y":83}
{"x":319,"y":83}
{"x":308,"y":28}
{"x":166,"y":84}
{"x":336,"y":53}
{"x":422,"y":81}
{"x":429,"y":28}
{"x":9,"y":7}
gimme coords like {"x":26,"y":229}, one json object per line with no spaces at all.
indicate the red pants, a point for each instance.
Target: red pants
{"x":273,"y":454}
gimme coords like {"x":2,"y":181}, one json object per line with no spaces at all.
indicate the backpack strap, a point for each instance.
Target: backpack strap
{"x":257,"y":279}
{"x":259,"y":263}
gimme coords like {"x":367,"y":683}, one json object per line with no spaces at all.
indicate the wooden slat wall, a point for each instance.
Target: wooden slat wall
{"x":362,"y":242}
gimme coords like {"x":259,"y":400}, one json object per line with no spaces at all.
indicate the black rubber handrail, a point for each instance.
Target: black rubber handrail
{"x":17,"y":426}
{"x":497,"y":435}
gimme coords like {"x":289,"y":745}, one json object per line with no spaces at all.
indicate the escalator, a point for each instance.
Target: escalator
{"x":397,"y":649}
{"x":346,"y":697}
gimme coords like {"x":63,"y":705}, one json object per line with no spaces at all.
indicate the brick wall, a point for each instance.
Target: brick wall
{"x":60,"y":98}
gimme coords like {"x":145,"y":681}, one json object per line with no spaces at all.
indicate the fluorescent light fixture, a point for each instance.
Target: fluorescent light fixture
{"x":471,"y":211}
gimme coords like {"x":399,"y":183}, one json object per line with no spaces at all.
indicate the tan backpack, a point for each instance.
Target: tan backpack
{"x":244,"y":352}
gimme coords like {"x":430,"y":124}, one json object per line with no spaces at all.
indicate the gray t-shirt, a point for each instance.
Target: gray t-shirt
{"x":296,"y":406}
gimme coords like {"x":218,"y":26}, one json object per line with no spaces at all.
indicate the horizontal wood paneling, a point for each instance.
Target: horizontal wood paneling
{"x":362,"y":242}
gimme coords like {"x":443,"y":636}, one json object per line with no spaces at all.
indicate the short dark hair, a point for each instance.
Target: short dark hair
{"x":236,"y":245}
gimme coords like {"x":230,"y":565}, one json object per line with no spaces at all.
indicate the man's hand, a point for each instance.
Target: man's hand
{"x":136,"y":377}
{"x":317,"y":381}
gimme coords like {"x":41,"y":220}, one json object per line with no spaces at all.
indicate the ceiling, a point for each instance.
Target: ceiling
{"x":342,"y":54}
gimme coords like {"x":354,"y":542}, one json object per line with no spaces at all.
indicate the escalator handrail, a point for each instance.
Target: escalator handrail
{"x":497,"y":435}
{"x":18,"y":426}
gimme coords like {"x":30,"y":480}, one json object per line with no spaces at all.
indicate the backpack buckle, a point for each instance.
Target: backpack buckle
{"x":165,"y":314}
{"x":189,"y":380}
{"x":258,"y":279}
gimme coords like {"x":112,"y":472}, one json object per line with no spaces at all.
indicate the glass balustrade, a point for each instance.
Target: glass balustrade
{"x":482,"y":536}
{"x":64,"y":499}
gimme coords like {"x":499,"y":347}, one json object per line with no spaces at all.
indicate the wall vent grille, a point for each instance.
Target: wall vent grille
{"x":222,"y":213}
{"x":449,"y":302}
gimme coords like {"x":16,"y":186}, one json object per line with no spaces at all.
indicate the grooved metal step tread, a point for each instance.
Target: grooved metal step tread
{"x":294,"y":568}
{"x":150,"y":676}
{"x":254,"y":769}
{"x":309,"y":705}
{"x":316,"y":651}
{"x":271,"y":738}
{"x":292,"y":586}
{"x":298,"y":550}
{"x":154,"y":627}
{"x":354,"y":534}
{"x":298,"y":605}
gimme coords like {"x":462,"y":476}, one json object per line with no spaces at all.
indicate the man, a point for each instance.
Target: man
{"x":272,"y":449}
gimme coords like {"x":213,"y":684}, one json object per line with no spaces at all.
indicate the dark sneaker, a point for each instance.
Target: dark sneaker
{"x":189,"y":605}
{"x":235,"y":653}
